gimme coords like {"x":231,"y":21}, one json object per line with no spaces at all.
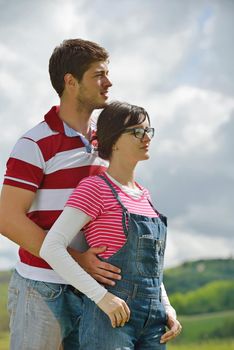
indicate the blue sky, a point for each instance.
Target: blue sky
{"x":175,"y":58}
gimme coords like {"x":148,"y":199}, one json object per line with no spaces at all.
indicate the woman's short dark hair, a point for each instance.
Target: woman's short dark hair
{"x":73,"y":56}
{"x":113,"y":120}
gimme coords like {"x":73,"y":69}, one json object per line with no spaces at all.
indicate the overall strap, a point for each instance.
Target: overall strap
{"x":164,"y":221}
{"x":161,"y":216}
{"x":113,"y":191}
{"x":125,"y":210}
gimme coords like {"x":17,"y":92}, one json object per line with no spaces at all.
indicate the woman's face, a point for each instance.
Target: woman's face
{"x":133,"y":144}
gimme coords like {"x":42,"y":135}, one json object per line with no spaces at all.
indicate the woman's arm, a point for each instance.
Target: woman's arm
{"x":166,"y":302}
{"x":174,"y":326}
{"x":54,"y":251}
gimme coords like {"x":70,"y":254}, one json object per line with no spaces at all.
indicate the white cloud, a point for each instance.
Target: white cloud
{"x":189,"y":118}
{"x":176,"y":60}
{"x":188,"y":245}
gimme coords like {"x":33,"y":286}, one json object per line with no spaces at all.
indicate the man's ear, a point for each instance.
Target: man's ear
{"x":115,"y":148}
{"x":69,"y":80}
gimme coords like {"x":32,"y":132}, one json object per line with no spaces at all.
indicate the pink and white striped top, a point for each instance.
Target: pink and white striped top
{"x":95,"y":198}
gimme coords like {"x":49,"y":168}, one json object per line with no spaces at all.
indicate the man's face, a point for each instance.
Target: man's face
{"x":93,"y":88}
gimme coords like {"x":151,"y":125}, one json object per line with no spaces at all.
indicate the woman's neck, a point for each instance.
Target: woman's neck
{"x":123,"y":173}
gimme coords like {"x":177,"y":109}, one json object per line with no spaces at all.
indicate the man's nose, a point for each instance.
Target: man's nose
{"x":108,"y":82}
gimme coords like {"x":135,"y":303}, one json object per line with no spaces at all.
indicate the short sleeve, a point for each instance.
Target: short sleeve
{"x":87,"y":197}
{"x":25,"y":166}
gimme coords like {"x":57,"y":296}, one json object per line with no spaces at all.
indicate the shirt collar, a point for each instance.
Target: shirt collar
{"x":53,"y":120}
{"x":56,"y":124}
{"x":70,"y":132}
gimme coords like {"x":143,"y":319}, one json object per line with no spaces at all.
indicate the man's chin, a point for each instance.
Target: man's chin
{"x":101,"y":105}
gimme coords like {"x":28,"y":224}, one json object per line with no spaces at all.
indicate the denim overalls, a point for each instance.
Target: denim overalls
{"x":141,"y":262}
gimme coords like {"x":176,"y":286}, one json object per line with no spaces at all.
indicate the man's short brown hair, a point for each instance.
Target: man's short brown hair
{"x":73,"y":56}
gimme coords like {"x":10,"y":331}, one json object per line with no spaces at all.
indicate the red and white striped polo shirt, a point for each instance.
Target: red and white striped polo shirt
{"x":95,"y":198}
{"x":47,"y":161}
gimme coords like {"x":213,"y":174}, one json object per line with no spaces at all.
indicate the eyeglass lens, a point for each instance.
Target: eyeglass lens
{"x":140,"y":133}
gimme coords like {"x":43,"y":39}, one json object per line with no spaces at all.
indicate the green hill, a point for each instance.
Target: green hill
{"x":214,"y":296}
{"x":195,"y":274}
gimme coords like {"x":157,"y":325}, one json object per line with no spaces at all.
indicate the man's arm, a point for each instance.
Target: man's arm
{"x":16,"y":226}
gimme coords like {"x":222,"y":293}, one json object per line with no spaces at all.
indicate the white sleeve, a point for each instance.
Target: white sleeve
{"x":165,"y":300}
{"x":54,"y":251}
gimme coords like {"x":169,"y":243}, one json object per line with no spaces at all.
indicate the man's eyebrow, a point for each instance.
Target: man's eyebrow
{"x":101,"y":70}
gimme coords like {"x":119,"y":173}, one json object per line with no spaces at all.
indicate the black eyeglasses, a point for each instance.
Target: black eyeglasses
{"x":139,"y":133}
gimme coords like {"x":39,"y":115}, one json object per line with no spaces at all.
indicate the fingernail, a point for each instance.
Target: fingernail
{"x":112,"y":283}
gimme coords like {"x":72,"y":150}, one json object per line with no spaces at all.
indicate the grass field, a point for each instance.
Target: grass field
{"x":206,"y":327}
{"x":4,"y":341}
{"x":4,"y":320}
{"x":209,"y":345}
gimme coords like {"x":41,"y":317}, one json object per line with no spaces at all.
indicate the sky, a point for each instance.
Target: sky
{"x":174,"y":58}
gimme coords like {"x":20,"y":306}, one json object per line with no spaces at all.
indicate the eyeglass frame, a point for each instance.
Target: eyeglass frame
{"x":133,"y":132}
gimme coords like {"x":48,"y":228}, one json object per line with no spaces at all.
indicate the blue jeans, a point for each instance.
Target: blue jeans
{"x":147,"y":323}
{"x":43,"y":316}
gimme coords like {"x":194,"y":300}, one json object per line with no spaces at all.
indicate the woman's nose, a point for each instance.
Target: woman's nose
{"x":146,"y":137}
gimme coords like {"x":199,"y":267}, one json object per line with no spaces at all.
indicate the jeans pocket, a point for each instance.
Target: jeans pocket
{"x":48,"y":291}
{"x":148,"y":257}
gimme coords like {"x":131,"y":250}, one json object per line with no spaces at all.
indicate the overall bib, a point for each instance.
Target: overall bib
{"x":141,"y":263}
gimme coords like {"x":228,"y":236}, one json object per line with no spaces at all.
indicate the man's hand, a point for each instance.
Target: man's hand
{"x":174,"y":329}
{"x":102,"y":272}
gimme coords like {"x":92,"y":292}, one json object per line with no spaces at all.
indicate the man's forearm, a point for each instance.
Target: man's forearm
{"x":14,"y":223}
{"x":23,"y":232}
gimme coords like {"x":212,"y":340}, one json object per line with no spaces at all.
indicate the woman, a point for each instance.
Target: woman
{"x":116,"y":212}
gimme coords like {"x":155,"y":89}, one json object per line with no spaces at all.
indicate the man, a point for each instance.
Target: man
{"x":43,"y":169}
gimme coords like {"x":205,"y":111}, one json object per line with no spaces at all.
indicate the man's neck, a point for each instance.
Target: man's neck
{"x":77,"y":119}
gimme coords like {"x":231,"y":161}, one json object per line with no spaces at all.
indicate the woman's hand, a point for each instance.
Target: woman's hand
{"x":115,"y":308}
{"x":174,"y":329}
